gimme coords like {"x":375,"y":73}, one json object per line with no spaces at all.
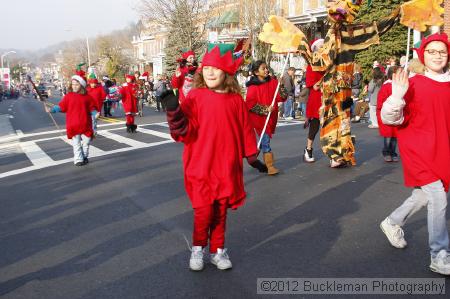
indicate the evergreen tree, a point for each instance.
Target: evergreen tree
{"x":392,"y":44}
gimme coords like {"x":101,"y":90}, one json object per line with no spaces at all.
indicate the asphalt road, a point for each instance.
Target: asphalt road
{"x":116,"y":228}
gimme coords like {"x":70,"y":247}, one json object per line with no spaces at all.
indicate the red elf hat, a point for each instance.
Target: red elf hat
{"x":221,"y":57}
{"x":436,"y":37}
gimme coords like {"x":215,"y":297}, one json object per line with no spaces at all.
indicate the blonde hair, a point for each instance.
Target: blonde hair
{"x":416,"y":66}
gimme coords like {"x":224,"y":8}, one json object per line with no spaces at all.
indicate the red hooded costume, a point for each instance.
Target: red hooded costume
{"x":184,"y":82}
{"x":98,"y":94}
{"x":262,"y":93}
{"x":315,"y":96}
{"x":383,"y":94}
{"x":129,"y":101}
{"x":424,"y":136}
{"x":78,"y":110}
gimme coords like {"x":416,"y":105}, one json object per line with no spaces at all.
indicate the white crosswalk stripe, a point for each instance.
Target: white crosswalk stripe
{"x":36,"y":155}
{"x":19,"y":143}
{"x":121,"y":139}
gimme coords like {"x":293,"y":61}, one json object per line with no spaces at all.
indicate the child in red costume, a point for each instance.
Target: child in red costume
{"x":389,"y":133}
{"x":213,"y":123}
{"x":78,"y":107}
{"x":129,"y":102}
{"x":260,"y":92}
{"x":420,"y":107}
{"x":184,"y":75}
{"x":98,"y":94}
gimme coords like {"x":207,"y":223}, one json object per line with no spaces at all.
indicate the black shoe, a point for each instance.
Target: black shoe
{"x":86,"y":161}
{"x":133,"y":128}
{"x":128,"y":128}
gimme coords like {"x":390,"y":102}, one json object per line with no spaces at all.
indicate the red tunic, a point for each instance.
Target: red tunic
{"x":263,"y":94}
{"x":99,"y":96}
{"x":383,"y":94}
{"x":218,"y":137}
{"x":315,"y":96}
{"x":424,"y":136}
{"x":78,"y":109}
{"x":128,"y":92}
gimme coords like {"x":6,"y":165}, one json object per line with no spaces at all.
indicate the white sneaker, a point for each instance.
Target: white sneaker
{"x":308,"y":156}
{"x":196,"y":261}
{"x":441,"y":263}
{"x":289,"y":118}
{"x":394,"y":233}
{"x":221,"y":259}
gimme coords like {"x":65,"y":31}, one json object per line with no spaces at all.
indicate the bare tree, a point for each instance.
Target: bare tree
{"x":253,"y":15}
{"x":185,"y":20}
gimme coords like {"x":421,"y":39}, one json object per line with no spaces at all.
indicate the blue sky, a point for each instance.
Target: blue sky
{"x":35,"y":24}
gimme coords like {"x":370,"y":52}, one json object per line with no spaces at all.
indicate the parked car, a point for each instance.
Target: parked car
{"x":42,"y":90}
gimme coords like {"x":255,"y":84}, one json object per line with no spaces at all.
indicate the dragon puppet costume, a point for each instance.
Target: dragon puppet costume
{"x":336,"y":59}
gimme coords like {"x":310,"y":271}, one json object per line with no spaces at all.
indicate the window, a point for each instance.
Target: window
{"x":306,"y":5}
{"x":291,"y":8}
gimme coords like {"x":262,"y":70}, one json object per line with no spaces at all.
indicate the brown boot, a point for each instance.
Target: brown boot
{"x":268,"y":159}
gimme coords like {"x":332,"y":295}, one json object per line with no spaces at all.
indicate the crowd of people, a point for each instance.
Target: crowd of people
{"x":220,"y":123}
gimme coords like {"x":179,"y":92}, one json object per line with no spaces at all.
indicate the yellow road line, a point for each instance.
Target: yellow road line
{"x":110,"y":120}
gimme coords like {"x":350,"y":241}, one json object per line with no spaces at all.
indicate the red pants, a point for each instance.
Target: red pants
{"x":209,"y":223}
{"x":130,"y":119}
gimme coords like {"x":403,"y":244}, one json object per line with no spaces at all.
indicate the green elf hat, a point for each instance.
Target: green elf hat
{"x":222,"y":57}
{"x":92,"y":78}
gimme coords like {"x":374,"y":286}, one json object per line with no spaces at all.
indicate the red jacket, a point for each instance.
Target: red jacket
{"x":383,"y":94}
{"x":262,"y":93}
{"x":424,"y":136}
{"x":129,"y":101}
{"x":99,"y":96}
{"x":219,"y":136}
{"x":315,"y":96}
{"x":184,"y":82}
{"x":78,"y":110}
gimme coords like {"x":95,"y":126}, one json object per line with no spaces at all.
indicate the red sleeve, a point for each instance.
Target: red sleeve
{"x":92,"y":104}
{"x":249,"y":133}
{"x":250,"y":98}
{"x":188,"y":106}
{"x":63,"y":104}
{"x":177,"y":82}
{"x":383,"y":94}
{"x":312,"y":77}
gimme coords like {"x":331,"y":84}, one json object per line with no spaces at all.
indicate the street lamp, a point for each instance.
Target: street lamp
{"x":2,"y":57}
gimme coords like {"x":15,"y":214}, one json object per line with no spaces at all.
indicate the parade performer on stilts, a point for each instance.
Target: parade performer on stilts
{"x":79,"y":107}
{"x":183,"y":78}
{"x":213,"y":123}
{"x":342,"y":42}
{"x":129,"y":102}
{"x":98,"y":94}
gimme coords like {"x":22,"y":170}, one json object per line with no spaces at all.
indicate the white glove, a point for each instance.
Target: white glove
{"x":400,"y":84}
{"x":392,"y":111}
